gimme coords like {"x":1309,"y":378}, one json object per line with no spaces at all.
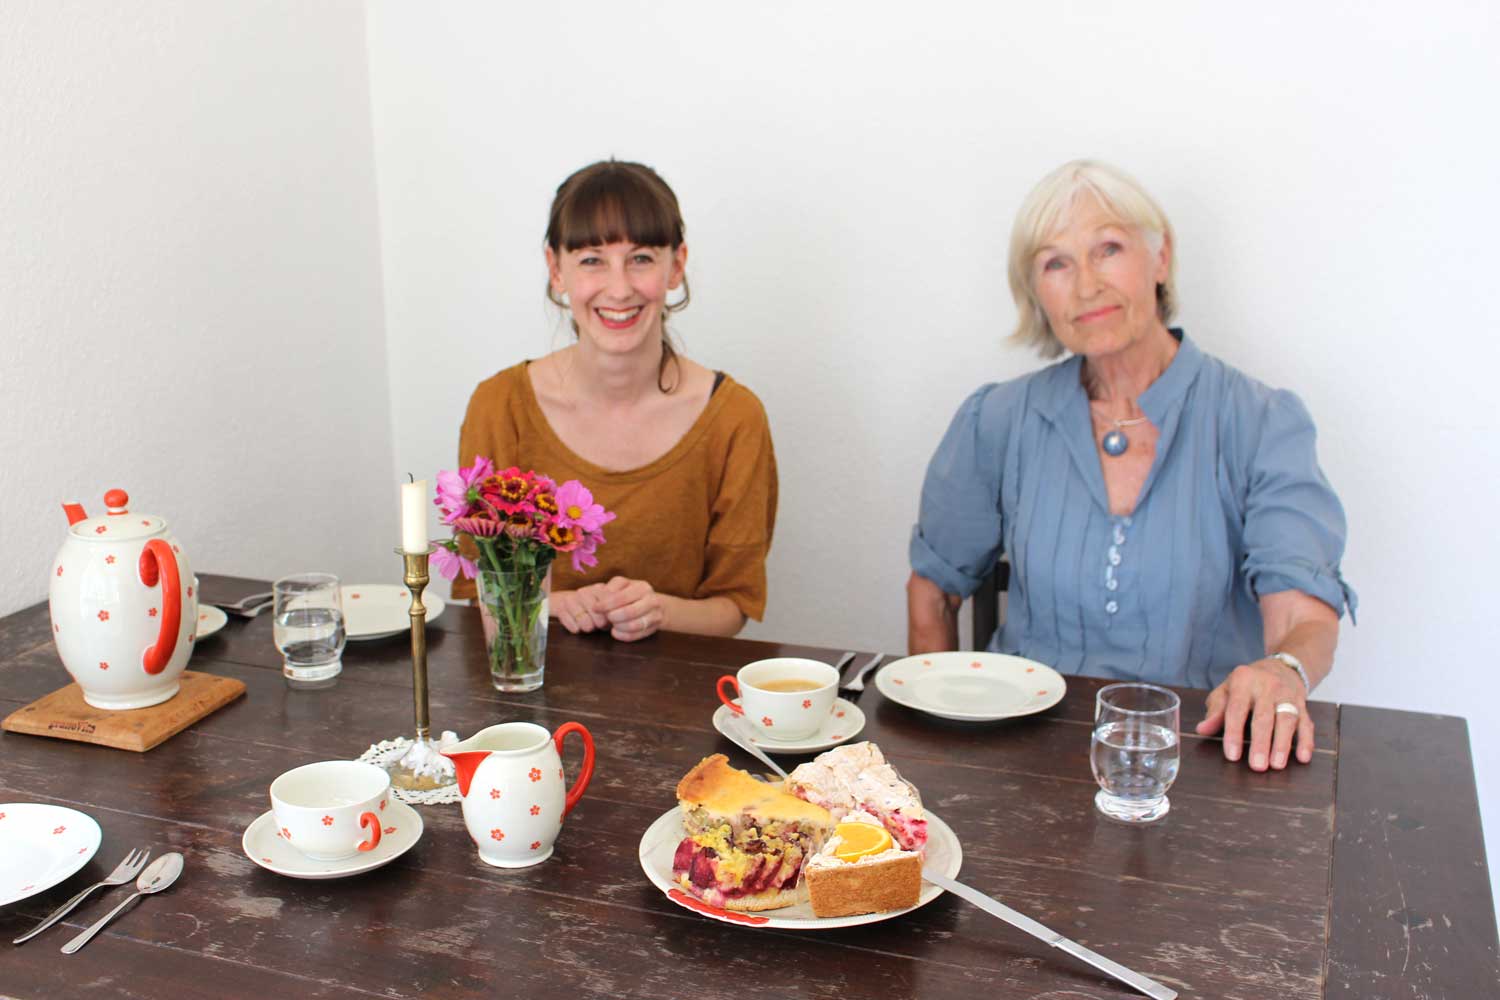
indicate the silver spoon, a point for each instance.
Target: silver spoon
{"x":158,"y":875}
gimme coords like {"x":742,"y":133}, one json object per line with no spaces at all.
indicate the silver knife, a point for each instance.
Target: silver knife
{"x":994,"y":907}
{"x":844,"y":661}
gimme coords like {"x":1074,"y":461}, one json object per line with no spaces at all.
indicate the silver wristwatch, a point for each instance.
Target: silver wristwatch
{"x":1296,"y":665}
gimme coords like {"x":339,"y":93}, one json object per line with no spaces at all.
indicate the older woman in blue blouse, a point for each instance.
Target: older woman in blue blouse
{"x":1164,"y":514}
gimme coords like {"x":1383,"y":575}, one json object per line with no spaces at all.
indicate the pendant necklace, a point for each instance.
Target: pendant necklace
{"x":1115,"y":442}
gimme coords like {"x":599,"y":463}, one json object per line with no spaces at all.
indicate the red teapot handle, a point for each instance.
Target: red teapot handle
{"x":158,"y":563}
{"x":584,"y":773}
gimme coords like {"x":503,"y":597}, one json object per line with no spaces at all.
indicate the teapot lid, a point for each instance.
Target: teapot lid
{"x":118,"y":524}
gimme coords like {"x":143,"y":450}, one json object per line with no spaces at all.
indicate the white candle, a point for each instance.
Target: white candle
{"x":414,"y":516}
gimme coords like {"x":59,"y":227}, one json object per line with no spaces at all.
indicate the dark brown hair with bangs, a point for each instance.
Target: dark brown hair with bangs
{"x":613,"y":201}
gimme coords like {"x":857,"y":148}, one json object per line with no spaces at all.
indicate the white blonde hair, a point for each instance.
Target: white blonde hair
{"x":1046,"y":210}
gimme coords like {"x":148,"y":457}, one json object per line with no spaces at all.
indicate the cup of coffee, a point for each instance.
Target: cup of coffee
{"x":331,"y":810}
{"x":785,"y":698}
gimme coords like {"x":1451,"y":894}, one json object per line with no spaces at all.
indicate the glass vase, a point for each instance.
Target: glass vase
{"x":513,"y":608}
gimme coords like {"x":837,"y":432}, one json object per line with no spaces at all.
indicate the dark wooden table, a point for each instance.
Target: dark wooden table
{"x":1359,"y":875}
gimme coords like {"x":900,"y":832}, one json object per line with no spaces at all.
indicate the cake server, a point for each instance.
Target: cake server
{"x":994,"y":907}
{"x":740,"y":737}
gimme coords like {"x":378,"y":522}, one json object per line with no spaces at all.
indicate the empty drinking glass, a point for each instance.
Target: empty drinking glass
{"x":1135,"y":750}
{"x":308,"y":628}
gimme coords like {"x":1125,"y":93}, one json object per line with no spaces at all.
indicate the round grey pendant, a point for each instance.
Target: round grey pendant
{"x":1115,"y":443}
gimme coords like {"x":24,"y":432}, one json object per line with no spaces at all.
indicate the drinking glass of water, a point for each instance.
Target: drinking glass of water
{"x":1135,"y":751}
{"x":308,"y":627}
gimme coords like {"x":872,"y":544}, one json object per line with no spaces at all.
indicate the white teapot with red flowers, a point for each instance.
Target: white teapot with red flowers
{"x":124,"y":608}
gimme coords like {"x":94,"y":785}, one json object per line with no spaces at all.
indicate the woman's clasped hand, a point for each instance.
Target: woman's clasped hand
{"x":628,"y":609}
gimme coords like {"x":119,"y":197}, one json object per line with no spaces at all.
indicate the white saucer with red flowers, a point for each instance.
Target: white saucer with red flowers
{"x":265,"y":846}
{"x":210,"y":620}
{"x":971,"y":687}
{"x":844,"y":722}
{"x":40,"y":846}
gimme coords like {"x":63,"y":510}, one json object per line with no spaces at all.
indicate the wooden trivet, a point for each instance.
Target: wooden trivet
{"x":65,"y":715}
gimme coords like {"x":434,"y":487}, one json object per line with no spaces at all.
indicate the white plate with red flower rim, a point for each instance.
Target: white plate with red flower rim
{"x":210,"y":620}
{"x":659,"y":845}
{"x":844,"y":722}
{"x":380,"y":610}
{"x":41,"y":845}
{"x":264,"y":845}
{"x":971,"y":687}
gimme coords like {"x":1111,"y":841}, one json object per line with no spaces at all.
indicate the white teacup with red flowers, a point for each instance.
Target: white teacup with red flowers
{"x":784,"y":698}
{"x":331,"y":810}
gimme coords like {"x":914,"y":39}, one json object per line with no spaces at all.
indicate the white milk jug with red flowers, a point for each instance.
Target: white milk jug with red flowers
{"x":515,"y":792}
{"x":124,"y":608}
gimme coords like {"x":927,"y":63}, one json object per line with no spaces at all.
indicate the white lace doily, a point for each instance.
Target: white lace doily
{"x":386,"y":753}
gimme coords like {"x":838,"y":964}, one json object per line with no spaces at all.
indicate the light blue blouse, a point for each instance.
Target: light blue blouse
{"x":1235,"y":506}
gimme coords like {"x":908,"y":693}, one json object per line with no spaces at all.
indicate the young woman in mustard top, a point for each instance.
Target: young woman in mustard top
{"x":680,"y":453}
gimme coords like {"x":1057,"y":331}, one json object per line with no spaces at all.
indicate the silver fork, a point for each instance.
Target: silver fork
{"x":248,"y":606}
{"x":124,"y":872}
{"x":857,"y":683}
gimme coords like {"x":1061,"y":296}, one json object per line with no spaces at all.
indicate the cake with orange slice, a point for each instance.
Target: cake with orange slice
{"x":861,"y":870}
{"x":856,"y":777}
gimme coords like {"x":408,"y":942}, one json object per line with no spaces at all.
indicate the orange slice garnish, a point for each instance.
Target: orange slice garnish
{"x":860,"y":840}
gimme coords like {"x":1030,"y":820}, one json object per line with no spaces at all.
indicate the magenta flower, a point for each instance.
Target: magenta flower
{"x":450,"y":564}
{"x":576,"y":508}
{"x":453,"y":488}
{"x":584,"y":554}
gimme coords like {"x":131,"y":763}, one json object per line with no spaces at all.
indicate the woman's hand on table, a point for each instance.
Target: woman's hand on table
{"x":632,"y":608}
{"x":1252,"y":691}
{"x":580,"y":610}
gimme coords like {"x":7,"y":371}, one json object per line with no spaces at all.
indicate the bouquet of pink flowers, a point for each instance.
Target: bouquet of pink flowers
{"x":519,"y":522}
{"x":516,"y":519}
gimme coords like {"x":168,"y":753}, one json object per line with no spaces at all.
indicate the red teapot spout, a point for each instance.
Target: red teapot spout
{"x":75,"y":513}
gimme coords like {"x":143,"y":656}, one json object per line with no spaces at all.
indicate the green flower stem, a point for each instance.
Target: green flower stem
{"x":513,"y":575}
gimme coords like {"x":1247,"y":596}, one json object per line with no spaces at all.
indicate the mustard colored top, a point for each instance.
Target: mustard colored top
{"x":694,"y":523}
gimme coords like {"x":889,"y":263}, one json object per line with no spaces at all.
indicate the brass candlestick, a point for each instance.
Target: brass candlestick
{"x":421,"y":767}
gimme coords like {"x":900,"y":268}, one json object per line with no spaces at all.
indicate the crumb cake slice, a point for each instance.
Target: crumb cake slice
{"x":746,"y":841}
{"x":857,"y":778}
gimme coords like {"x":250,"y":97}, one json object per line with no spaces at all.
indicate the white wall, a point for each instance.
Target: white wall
{"x":848,"y":178}
{"x":190,"y":284}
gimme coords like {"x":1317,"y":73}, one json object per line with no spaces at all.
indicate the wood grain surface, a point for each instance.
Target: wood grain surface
{"x":64,"y":715}
{"x":1229,"y":896}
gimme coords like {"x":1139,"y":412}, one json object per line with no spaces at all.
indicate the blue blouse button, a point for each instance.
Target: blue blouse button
{"x":1114,"y":556}
{"x":1112,"y":607}
{"x":1119,"y":535}
{"x":1111,"y":584}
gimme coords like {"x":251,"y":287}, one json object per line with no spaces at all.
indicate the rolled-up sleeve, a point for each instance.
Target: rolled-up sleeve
{"x":1294,"y":523}
{"x":958,"y":534}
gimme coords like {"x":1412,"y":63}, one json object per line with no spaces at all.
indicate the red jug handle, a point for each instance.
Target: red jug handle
{"x":587,"y":771}
{"x":158,"y":563}
{"x":729,"y":679}
{"x":371,"y":822}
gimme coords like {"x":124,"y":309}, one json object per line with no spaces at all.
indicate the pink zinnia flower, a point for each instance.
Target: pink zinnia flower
{"x":561,"y":536}
{"x":450,"y":564}
{"x":576,"y":507}
{"x":478,"y":525}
